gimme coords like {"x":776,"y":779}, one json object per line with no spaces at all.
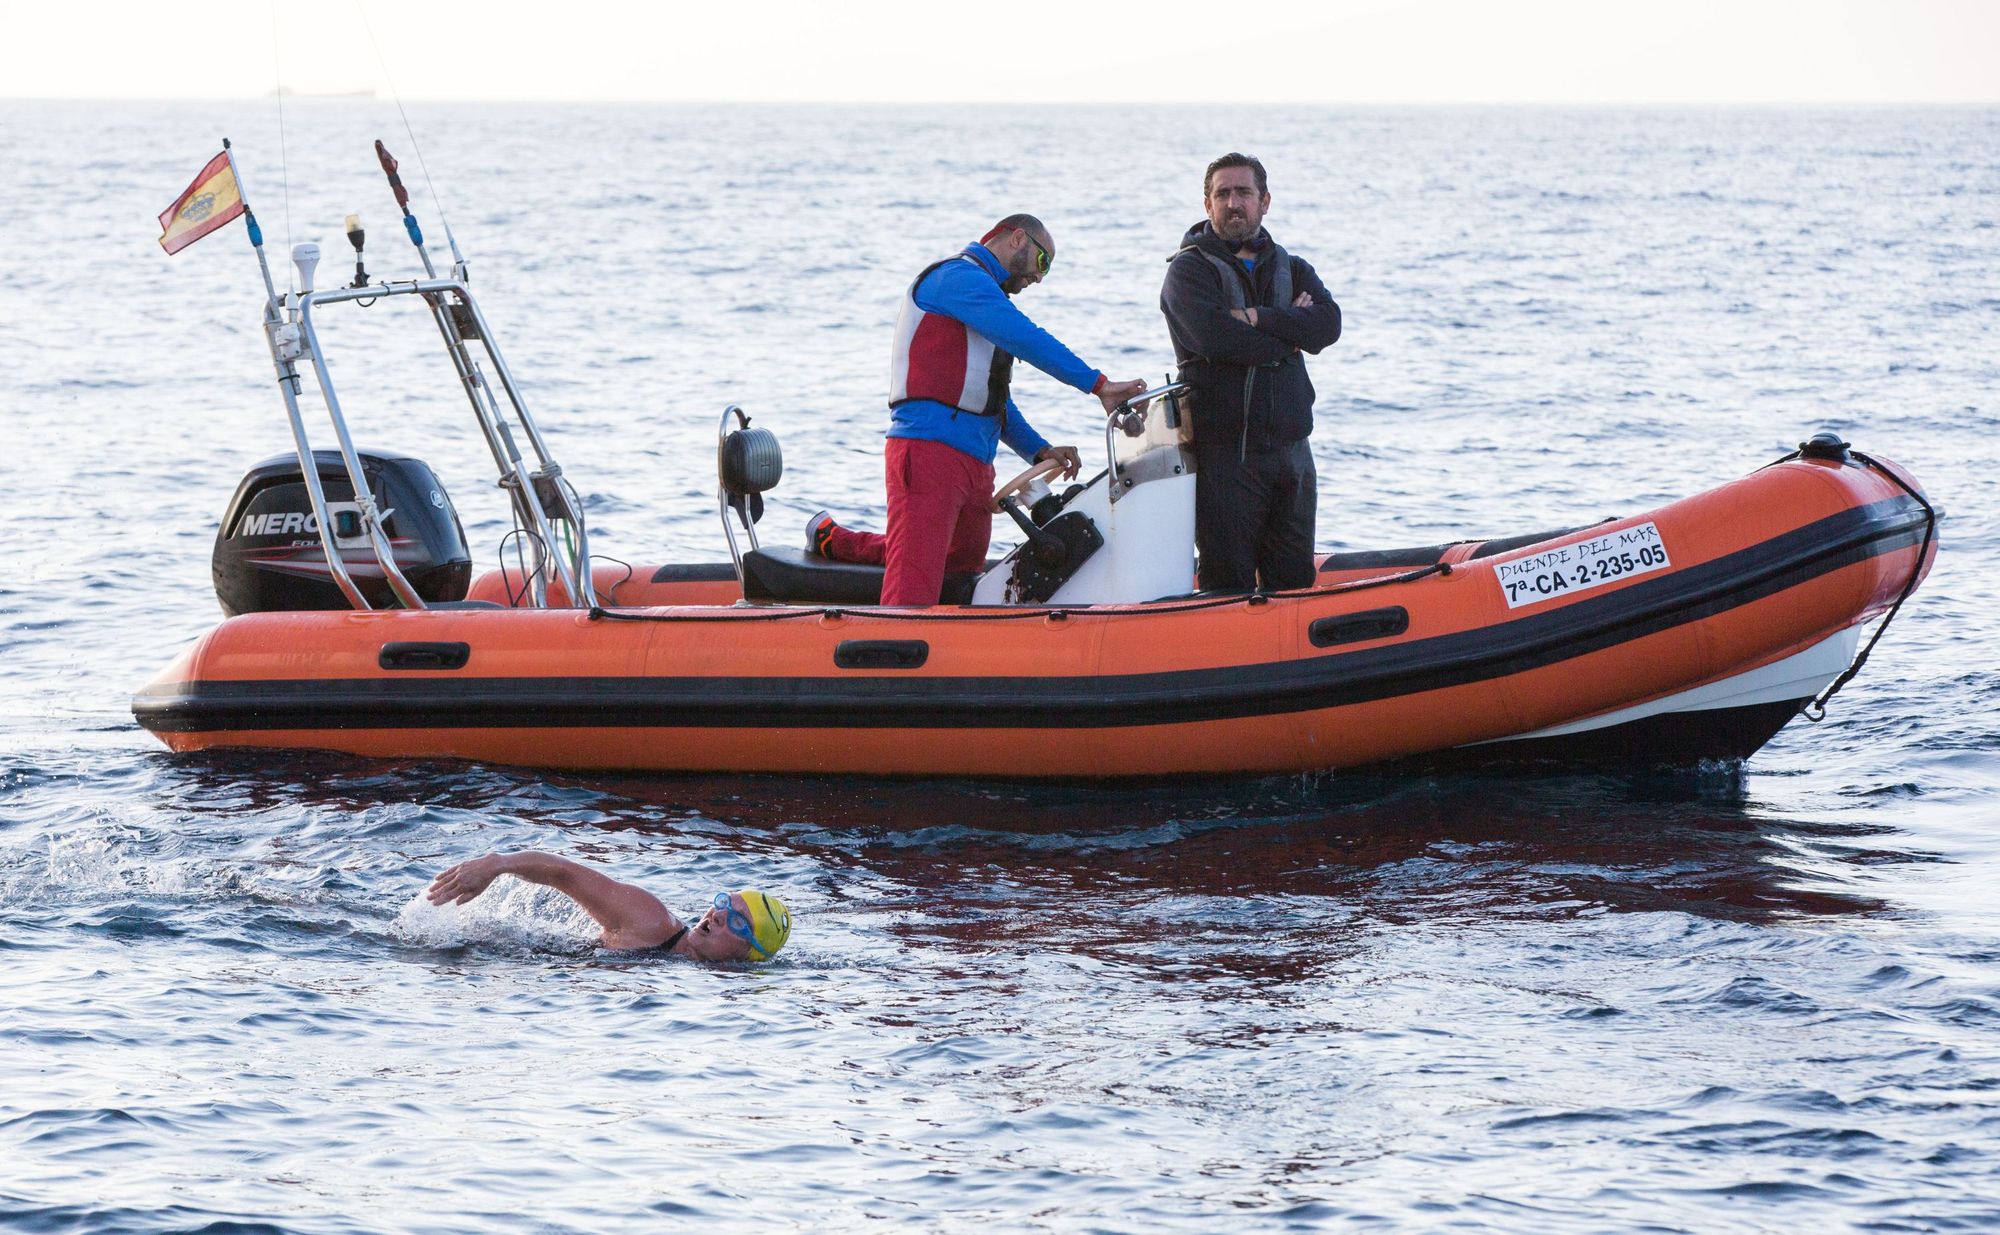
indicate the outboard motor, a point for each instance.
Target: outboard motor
{"x":268,"y":554}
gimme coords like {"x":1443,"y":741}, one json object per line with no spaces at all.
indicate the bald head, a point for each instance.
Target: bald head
{"x":1024,"y":247}
{"x":1029,"y":224}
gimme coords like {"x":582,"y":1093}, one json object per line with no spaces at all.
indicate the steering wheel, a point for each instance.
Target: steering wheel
{"x":1047,"y":467}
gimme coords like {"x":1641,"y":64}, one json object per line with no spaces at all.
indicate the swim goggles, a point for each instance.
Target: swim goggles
{"x":739,"y":925}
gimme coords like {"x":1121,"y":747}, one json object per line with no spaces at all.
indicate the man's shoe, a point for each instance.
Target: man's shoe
{"x":819,"y":533}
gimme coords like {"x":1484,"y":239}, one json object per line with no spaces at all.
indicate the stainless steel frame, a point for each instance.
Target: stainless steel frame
{"x":290,"y":328}
{"x":722,"y":495}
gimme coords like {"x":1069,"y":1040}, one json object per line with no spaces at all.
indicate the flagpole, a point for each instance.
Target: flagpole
{"x":284,"y":344}
{"x":256,"y":232}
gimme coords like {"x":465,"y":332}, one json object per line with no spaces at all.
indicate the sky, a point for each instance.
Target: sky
{"x":1029,"y":51}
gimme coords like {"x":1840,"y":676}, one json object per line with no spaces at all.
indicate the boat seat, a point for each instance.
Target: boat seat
{"x":796,"y":577}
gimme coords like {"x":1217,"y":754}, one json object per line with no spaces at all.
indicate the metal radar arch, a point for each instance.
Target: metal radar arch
{"x":541,"y":499}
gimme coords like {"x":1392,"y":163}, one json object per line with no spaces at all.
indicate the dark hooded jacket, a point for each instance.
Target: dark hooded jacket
{"x":1220,"y":357}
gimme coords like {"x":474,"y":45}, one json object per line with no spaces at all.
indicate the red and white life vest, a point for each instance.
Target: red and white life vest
{"x":942,"y":359}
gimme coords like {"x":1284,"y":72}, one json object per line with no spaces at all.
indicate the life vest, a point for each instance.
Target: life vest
{"x":1232,"y":276}
{"x":942,"y":359}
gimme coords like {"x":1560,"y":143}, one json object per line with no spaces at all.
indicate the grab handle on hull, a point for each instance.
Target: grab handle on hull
{"x":424,"y":655}
{"x":1356,"y":627}
{"x":881,"y":654}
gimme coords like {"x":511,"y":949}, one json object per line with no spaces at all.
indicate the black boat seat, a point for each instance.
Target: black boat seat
{"x":796,"y":577}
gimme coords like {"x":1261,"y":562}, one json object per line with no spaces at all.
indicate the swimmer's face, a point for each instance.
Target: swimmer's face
{"x":710,"y":938}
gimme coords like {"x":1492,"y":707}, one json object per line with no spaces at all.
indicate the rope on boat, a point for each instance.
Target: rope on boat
{"x":522,"y":537}
{"x":1815,"y":711}
{"x":613,"y":589}
{"x":1249,"y":599}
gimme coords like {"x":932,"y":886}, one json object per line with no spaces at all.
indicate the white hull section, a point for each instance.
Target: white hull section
{"x":1798,"y":676}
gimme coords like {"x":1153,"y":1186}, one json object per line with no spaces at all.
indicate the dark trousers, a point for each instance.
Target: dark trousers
{"x":1253,"y":517}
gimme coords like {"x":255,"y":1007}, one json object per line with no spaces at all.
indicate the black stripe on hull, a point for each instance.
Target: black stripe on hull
{"x":1530,"y":642}
{"x":1721,"y":734}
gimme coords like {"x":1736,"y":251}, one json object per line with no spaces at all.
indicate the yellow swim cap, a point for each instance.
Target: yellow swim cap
{"x":770,"y":921}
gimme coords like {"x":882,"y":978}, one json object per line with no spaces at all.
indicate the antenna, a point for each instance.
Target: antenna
{"x":305,"y":259}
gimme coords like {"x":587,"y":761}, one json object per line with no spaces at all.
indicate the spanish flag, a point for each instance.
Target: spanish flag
{"x":212,"y":200}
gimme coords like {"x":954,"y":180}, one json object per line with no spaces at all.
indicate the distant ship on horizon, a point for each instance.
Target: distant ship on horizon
{"x":288,"y":92}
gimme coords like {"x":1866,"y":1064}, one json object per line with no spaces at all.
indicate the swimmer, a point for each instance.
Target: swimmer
{"x":739,"y":926}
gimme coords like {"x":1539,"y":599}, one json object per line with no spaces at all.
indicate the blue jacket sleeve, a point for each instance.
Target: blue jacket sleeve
{"x":969,"y":294}
{"x":1020,"y":436}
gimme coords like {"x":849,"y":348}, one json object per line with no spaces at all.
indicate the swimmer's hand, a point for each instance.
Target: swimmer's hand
{"x":466,"y":880}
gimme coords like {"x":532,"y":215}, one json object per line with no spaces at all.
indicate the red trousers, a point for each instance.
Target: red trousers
{"x":939,"y":521}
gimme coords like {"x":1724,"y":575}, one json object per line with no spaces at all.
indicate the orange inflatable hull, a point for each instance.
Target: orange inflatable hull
{"x":1384,"y":659}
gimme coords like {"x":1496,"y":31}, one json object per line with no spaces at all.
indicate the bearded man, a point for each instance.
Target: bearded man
{"x":1242,"y":311}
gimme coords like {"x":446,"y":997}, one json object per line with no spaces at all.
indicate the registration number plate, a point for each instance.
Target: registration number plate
{"x":1581,"y":566}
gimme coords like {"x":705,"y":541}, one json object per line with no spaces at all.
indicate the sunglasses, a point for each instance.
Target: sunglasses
{"x":1042,"y":259}
{"x":738,"y":924}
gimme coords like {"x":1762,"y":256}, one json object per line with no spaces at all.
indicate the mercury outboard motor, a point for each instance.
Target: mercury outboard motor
{"x":268,"y":554}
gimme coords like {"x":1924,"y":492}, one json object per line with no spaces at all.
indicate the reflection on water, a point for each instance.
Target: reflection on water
{"x":1690,"y":841}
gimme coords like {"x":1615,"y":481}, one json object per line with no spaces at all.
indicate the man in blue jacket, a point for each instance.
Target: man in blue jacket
{"x":1241,"y":310}
{"x":950,"y":405}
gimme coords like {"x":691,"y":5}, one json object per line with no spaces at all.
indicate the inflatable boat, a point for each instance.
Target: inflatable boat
{"x":1694,"y":631}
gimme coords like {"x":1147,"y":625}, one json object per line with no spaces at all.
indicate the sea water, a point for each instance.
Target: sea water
{"x":1757,"y":998}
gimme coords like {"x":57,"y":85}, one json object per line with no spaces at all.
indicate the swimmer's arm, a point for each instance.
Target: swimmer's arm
{"x":630,"y":916}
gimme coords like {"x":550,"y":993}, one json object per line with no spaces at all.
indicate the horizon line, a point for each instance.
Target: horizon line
{"x":1182,"y":103}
